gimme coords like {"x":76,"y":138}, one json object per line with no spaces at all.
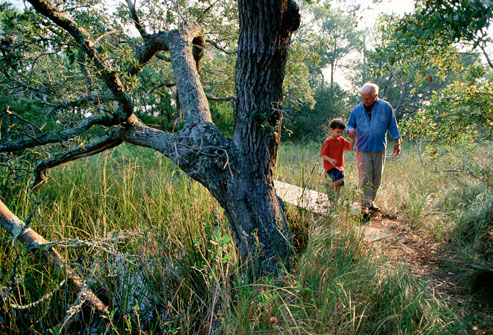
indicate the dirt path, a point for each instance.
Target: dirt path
{"x":427,"y":260}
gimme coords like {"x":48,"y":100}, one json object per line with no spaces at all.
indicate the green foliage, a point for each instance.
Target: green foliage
{"x":310,"y":122}
{"x":408,"y":75}
{"x":297,"y":88}
{"x":447,"y":21}
{"x":222,"y":115}
{"x":460,"y":114}
{"x":337,"y":36}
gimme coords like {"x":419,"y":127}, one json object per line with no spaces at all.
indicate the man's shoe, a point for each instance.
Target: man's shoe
{"x":374,"y":208}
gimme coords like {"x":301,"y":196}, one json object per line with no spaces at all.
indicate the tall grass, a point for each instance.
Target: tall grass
{"x":158,"y":250}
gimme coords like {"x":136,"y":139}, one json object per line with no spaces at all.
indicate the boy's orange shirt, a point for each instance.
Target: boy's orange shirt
{"x":334,"y":148}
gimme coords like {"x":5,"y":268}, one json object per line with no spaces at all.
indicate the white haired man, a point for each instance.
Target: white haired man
{"x":369,"y":122}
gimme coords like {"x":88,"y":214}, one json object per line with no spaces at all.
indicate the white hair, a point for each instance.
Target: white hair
{"x":370,"y":87}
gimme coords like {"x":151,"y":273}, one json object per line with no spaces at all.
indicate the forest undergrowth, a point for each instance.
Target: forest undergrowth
{"x":157,"y":249}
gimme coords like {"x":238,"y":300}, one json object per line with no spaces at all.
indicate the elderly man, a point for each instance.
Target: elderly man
{"x":369,"y":122}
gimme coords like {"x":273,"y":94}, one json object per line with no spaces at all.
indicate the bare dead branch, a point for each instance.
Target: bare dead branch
{"x":133,"y":13}
{"x":214,"y":98}
{"x":218,"y":47}
{"x":62,"y":136}
{"x":104,"y":244}
{"x":109,"y":141}
{"x":44,"y":298}
{"x":22,"y":232}
{"x":8,"y":111}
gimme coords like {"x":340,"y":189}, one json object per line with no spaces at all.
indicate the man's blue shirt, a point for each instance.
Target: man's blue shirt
{"x":371,"y":135}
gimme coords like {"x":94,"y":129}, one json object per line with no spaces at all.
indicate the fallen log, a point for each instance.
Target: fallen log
{"x":22,"y":232}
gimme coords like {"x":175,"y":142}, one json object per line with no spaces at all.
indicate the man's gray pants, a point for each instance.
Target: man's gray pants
{"x":370,"y":170}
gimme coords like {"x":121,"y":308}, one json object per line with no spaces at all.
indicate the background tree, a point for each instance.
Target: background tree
{"x":326,"y":41}
{"x":92,"y":107}
{"x":458,"y":108}
{"x":336,"y":37}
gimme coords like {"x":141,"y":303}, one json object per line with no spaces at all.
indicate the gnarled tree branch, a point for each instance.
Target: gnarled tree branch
{"x":218,"y":47}
{"x":85,"y":125}
{"x":152,"y":44}
{"x":109,"y":141}
{"x":199,"y":150}
{"x":192,"y":96}
{"x":135,"y":18}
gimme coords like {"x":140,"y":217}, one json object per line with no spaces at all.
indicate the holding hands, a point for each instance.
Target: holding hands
{"x":397,"y":148}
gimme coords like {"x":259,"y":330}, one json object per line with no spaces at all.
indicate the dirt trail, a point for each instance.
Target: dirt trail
{"x":427,"y":260}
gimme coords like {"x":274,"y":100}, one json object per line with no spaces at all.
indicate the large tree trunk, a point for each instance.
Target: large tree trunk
{"x":252,"y":205}
{"x":238,"y":171}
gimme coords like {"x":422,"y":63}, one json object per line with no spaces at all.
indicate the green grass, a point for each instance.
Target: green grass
{"x":163,"y":258}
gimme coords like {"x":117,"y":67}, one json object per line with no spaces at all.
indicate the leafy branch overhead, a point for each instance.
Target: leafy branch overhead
{"x":98,"y":84}
{"x":113,"y":106}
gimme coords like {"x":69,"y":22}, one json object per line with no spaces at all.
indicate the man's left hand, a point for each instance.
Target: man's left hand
{"x":397,"y":149}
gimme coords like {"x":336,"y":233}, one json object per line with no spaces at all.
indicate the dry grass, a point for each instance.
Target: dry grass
{"x":172,"y":267}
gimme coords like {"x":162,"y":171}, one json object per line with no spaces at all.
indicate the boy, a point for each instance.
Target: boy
{"x":332,"y":153}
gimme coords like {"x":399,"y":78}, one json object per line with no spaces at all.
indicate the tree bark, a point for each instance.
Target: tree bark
{"x":238,"y":171}
{"x":252,"y":205}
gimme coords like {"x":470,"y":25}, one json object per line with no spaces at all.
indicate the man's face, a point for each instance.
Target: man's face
{"x":368,"y":98}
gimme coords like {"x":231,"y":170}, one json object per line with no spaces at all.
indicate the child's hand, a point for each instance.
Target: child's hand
{"x":332,"y":161}
{"x":350,"y":133}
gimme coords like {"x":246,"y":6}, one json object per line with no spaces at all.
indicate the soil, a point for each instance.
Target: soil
{"x":432,"y":263}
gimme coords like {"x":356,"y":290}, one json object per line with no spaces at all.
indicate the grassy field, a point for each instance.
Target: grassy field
{"x":155,"y":247}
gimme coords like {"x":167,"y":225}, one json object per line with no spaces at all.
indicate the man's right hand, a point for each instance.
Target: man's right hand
{"x":350,"y":133}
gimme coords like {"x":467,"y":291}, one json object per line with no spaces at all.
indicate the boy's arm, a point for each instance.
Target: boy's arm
{"x":351,"y":143}
{"x":330,"y":160}
{"x":351,"y":124}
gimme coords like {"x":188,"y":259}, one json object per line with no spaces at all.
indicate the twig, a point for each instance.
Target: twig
{"x":135,"y":18}
{"x":67,"y":134}
{"x":8,"y":111}
{"x":214,"y":98}
{"x":202,"y":15}
{"x":76,"y":307}
{"x":38,"y":302}
{"x":215,"y":45}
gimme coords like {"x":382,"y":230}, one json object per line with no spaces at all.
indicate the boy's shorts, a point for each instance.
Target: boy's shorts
{"x":336,"y":174}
